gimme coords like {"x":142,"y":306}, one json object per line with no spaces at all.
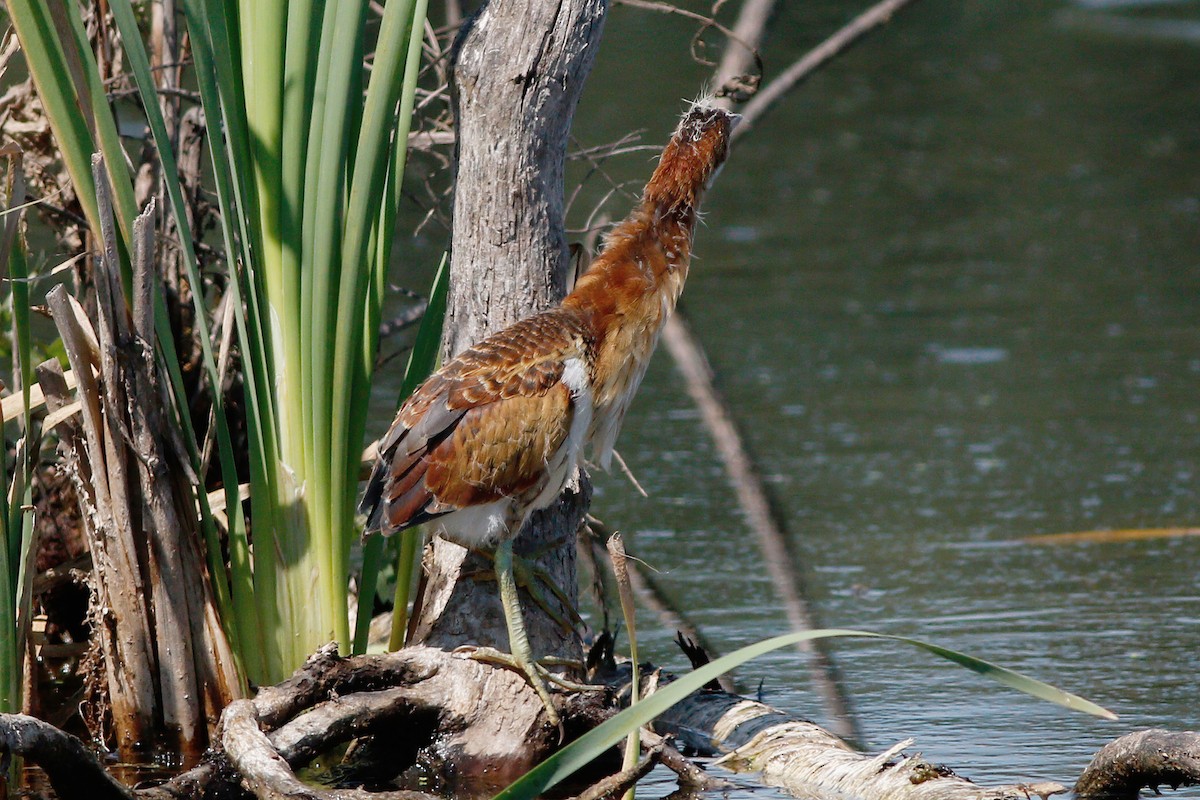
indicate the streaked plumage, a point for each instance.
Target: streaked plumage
{"x":495,"y":433}
{"x":500,"y":430}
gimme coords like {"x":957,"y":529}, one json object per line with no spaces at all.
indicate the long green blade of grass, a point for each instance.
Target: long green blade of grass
{"x":13,"y":544}
{"x":217,"y":77}
{"x":330,"y":529}
{"x":604,"y":736}
{"x":373,"y":164}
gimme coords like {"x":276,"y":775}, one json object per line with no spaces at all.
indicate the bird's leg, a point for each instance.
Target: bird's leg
{"x":518,"y":642}
{"x":528,"y":575}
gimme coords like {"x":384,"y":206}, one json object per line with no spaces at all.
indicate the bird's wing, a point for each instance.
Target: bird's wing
{"x":482,"y":428}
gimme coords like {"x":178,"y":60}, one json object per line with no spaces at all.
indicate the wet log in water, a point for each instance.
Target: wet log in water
{"x":1146,"y":759}
{"x":413,"y":697}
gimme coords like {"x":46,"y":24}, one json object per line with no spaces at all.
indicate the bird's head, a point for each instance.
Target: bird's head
{"x":693,"y":157}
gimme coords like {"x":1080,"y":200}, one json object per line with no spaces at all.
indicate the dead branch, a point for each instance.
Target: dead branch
{"x":733,"y":72}
{"x":816,"y":58}
{"x":72,"y":769}
{"x":1145,"y":759}
{"x":690,"y":776}
{"x":623,"y":781}
{"x":762,"y":517}
{"x":808,"y":761}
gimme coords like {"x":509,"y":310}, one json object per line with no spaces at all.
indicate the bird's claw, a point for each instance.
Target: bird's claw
{"x":490,"y":655}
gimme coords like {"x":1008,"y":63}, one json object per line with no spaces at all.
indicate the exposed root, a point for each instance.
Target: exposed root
{"x":265,"y":772}
{"x":72,"y":769}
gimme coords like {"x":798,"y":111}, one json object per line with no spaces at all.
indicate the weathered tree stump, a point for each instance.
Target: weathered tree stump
{"x":517,"y":73}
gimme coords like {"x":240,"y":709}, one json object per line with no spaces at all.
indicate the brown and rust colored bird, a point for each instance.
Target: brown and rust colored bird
{"x":500,"y":430}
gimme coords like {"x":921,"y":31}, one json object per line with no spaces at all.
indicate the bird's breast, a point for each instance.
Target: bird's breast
{"x":623,"y":357}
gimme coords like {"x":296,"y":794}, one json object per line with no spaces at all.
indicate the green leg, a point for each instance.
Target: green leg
{"x":518,"y":642}
{"x":528,"y":575}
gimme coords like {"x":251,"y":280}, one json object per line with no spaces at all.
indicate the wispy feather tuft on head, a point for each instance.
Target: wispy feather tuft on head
{"x":693,"y":156}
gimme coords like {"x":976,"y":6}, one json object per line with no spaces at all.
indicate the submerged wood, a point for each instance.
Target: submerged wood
{"x":807,"y":761}
{"x":1142,"y":760}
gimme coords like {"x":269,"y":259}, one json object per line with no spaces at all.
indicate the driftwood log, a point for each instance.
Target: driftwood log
{"x":403,"y":700}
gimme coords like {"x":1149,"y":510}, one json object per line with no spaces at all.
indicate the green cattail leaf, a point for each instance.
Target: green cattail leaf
{"x":587,"y":747}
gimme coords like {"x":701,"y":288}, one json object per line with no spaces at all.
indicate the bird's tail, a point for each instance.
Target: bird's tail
{"x":692,"y":158}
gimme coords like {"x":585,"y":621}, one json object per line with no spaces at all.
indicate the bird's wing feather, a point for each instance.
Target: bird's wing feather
{"x":481,"y":428}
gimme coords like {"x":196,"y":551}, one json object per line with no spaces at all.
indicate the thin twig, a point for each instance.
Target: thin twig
{"x":820,"y":55}
{"x":690,"y":776}
{"x":629,"y":474}
{"x":616,"y":785}
{"x":733,"y":72}
{"x":650,"y":596}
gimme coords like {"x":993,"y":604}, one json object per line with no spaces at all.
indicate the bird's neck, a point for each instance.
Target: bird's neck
{"x":637,"y":279}
{"x":633,"y":285}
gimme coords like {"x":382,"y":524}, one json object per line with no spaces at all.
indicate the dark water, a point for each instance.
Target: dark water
{"x":950,"y":290}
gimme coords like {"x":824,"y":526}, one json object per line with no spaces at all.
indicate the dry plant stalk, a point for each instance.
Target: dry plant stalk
{"x":169,"y":667}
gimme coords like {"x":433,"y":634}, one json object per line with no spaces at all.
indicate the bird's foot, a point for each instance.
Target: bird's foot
{"x":530,"y":668}
{"x":490,"y":655}
{"x":528,"y":576}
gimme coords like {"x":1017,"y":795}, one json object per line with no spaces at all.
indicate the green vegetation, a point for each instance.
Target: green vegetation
{"x":604,"y":736}
{"x":16,"y":518}
{"x":308,"y":192}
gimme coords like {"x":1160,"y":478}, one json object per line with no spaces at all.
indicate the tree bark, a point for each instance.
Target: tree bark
{"x":518,"y":70}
